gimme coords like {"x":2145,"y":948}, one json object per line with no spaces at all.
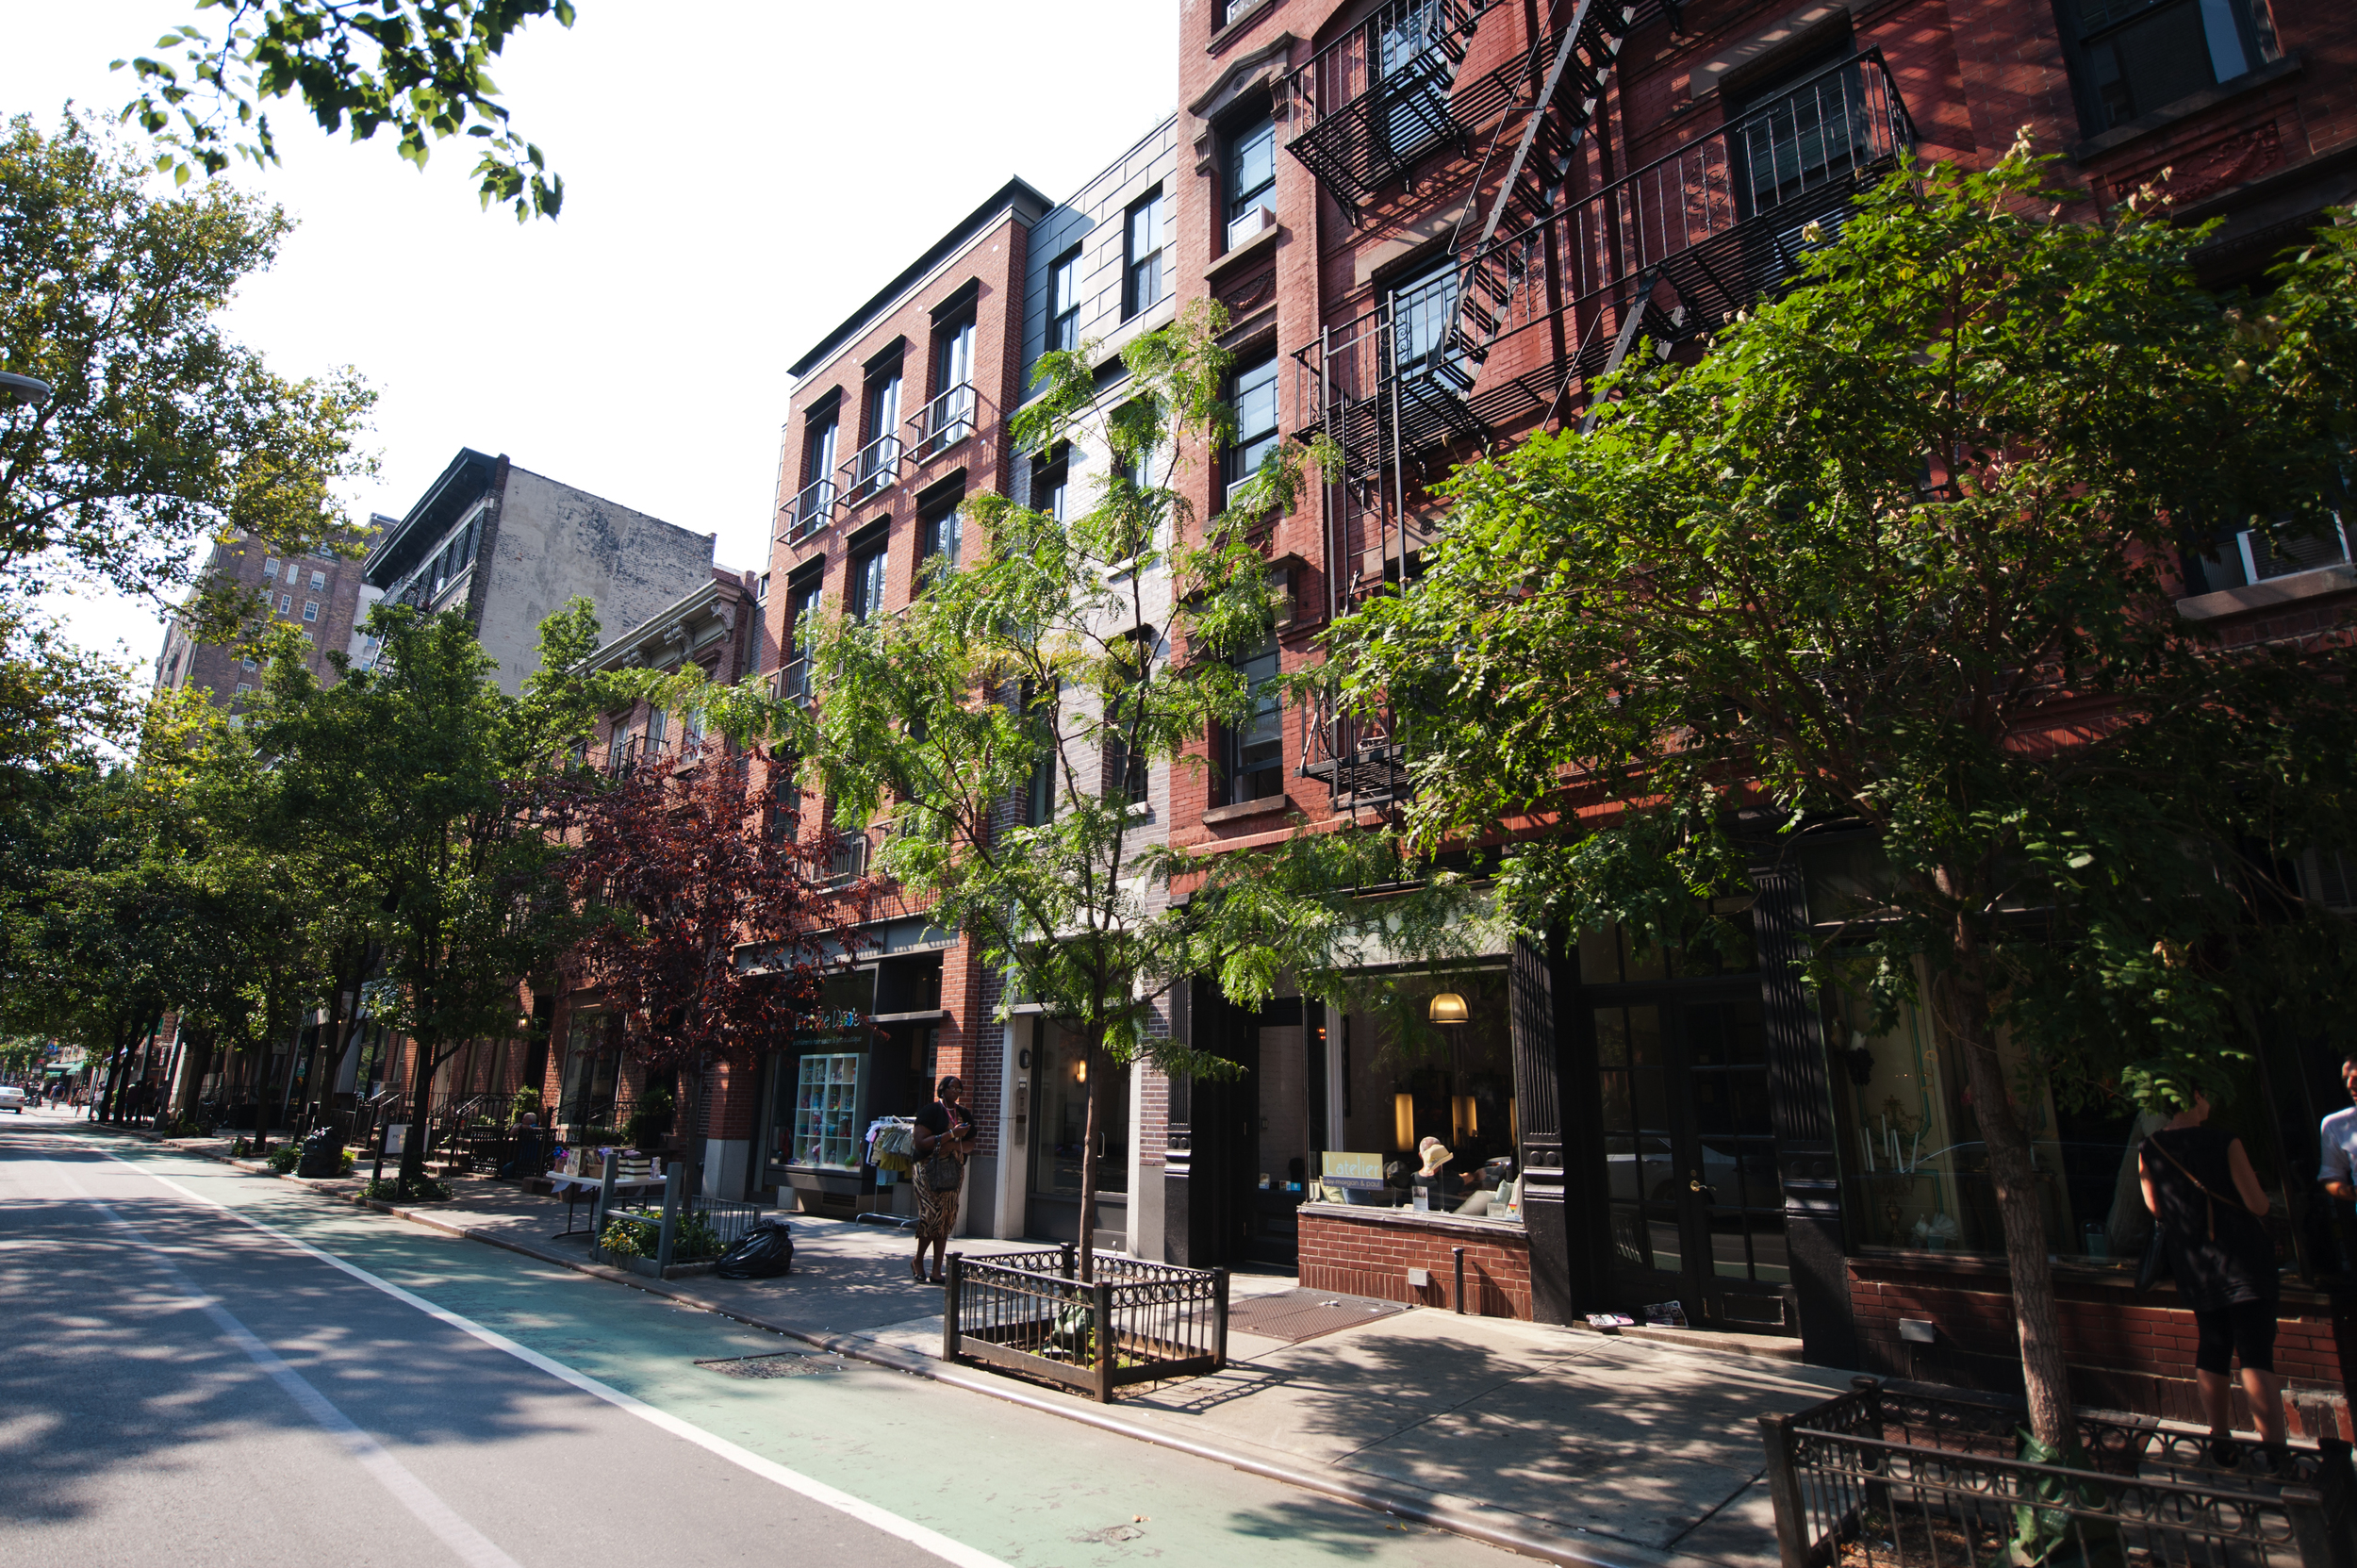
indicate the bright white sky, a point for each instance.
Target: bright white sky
{"x":738,"y":177}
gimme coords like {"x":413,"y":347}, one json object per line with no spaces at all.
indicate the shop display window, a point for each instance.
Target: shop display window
{"x":1914,"y":1168}
{"x":1061,"y":1077}
{"x":1395,"y":1078}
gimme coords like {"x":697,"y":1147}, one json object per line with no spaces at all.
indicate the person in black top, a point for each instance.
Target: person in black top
{"x":944,"y":1130}
{"x":2208,"y":1203}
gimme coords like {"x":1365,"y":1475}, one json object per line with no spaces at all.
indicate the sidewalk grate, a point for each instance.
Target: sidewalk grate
{"x":1296,"y":1315}
{"x":791,"y":1364}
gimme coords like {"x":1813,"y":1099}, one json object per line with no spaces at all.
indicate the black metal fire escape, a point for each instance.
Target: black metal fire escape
{"x":1549,"y":294}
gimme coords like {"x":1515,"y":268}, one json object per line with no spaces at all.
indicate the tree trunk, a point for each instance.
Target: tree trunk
{"x":2044,"y":1370}
{"x":116,"y":1063}
{"x":421,"y":1090}
{"x":195,"y":1062}
{"x":1091,"y":1059}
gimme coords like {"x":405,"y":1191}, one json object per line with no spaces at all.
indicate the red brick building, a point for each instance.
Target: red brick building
{"x":319,"y":594}
{"x":1433,"y":223}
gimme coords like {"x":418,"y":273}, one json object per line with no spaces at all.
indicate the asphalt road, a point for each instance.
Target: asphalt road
{"x":208,"y":1367}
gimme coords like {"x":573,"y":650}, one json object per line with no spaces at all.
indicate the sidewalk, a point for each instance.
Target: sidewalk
{"x":1564,"y":1443}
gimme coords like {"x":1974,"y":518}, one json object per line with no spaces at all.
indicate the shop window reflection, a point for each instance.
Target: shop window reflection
{"x":1400,"y":1079}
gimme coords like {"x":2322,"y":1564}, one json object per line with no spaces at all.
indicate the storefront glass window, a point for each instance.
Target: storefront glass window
{"x":1398,"y":1079}
{"x":820,"y":1091}
{"x":1062,"y":1081}
{"x":592,"y":1070}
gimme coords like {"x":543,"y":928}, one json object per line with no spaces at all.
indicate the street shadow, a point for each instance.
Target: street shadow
{"x":114,"y":1374}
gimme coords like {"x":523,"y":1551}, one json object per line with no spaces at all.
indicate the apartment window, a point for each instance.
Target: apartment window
{"x":1145,"y":279}
{"x":1251,"y":178}
{"x":1064,"y":302}
{"x":953,"y":358}
{"x":819,"y":449}
{"x":801,"y":610}
{"x":1253,"y":393}
{"x":940,"y":528}
{"x":2138,"y":56}
{"x":310,"y":609}
{"x":883,"y":405}
{"x":761,"y":591}
{"x":878,"y":458}
{"x":1411,"y":45}
{"x":1256,"y":746}
{"x":269,"y":569}
{"x":243,"y":689}
{"x":950,"y":418}
{"x":1424,"y":311}
{"x":785,"y":799}
{"x":285,"y":603}
{"x":863,"y":596}
{"x":1051,"y":482}
{"x":248,"y":664}
{"x":1039,"y":800}
{"x":319,"y":581}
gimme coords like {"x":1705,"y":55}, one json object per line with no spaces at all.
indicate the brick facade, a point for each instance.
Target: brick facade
{"x":1369,"y":1253}
{"x":2128,"y":1351}
{"x":325,"y":614}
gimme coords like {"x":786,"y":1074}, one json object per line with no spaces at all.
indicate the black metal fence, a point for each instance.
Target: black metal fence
{"x":1136,"y":1322}
{"x":1896,"y":1477}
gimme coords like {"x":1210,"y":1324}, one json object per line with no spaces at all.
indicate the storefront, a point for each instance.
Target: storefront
{"x":869,"y":1053}
{"x":1050,"y":1058}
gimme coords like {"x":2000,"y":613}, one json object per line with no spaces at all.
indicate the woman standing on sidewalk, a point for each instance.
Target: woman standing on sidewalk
{"x":944,"y":1140}
{"x":2206,"y":1197}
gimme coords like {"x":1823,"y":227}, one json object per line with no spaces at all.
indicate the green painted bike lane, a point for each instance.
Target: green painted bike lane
{"x":1027,"y":1487}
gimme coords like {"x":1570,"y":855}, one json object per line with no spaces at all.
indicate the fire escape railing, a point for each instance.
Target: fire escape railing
{"x":1532,"y":318}
{"x":1373,"y":103}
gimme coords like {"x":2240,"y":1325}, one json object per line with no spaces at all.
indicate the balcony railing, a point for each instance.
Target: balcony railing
{"x":791,"y":682}
{"x":943,"y":423}
{"x":847,"y":860}
{"x":873,"y":469}
{"x":808,"y":512}
{"x":1355,"y":752}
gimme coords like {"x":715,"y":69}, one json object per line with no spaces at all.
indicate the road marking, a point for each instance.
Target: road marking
{"x":817,"y":1491}
{"x":470,"y":1545}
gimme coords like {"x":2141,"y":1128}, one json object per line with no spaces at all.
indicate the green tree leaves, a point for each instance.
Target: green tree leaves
{"x":418,"y":67}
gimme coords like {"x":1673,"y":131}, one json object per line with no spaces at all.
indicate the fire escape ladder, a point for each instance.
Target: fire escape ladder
{"x":1555,"y":121}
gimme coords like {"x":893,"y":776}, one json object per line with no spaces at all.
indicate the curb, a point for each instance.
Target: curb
{"x":1471,"y":1520}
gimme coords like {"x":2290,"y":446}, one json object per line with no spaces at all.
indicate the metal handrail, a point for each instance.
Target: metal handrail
{"x":849,"y":859}
{"x":808,"y":512}
{"x":872,"y":469}
{"x":945,"y":421}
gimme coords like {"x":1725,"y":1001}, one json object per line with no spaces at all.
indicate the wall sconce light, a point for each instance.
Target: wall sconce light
{"x":1403,"y":1121}
{"x":1081,"y":1071}
{"x":1448,"y":1008}
{"x":1466,"y":1118}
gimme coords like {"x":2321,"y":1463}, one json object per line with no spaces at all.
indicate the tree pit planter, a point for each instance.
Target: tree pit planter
{"x":1903,"y":1476}
{"x":1030,"y":1313}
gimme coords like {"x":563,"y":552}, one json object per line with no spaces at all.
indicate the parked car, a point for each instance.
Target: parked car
{"x":11,"y":1098}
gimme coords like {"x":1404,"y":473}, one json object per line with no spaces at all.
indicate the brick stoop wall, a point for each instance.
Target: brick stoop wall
{"x":2127,"y":1351}
{"x":1369,"y":1252}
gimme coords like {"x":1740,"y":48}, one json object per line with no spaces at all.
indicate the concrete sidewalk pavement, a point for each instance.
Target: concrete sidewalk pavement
{"x":1566,"y":1442}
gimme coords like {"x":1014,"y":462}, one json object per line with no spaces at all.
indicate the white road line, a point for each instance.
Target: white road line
{"x":470,"y":1545}
{"x":817,"y":1491}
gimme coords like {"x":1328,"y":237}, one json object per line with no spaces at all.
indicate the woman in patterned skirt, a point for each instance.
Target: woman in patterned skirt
{"x":943,"y":1130}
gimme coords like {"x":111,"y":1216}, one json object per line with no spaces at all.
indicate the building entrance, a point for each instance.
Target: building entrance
{"x":1694,"y":1208}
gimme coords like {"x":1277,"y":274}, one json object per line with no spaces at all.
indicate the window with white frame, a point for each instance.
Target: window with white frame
{"x":310,"y":609}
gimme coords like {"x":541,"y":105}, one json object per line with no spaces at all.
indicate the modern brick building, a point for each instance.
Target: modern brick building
{"x":319,"y":594}
{"x":1433,"y":223}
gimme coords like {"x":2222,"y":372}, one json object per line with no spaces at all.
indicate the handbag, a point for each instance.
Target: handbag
{"x":942,"y":1173}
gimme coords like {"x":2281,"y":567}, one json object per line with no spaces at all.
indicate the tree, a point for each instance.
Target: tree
{"x":160,"y":431}
{"x":679,"y":871}
{"x":1901,"y":552}
{"x":437,"y":780}
{"x":1068,"y":654}
{"x":421,"y":67}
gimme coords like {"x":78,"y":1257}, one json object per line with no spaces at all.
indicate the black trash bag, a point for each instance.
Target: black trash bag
{"x":322,"y":1155}
{"x":766,"y":1251}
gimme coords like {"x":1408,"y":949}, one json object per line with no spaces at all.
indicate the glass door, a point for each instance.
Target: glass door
{"x":1693,"y":1203}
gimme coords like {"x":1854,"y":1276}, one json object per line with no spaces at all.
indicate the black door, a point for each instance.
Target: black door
{"x":1695,"y":1211}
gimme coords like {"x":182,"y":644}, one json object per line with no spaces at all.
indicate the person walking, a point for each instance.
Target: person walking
{"x":944,"y":1141}
{"x":2207,"y":1201}
{"x":2338,"y":1135}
